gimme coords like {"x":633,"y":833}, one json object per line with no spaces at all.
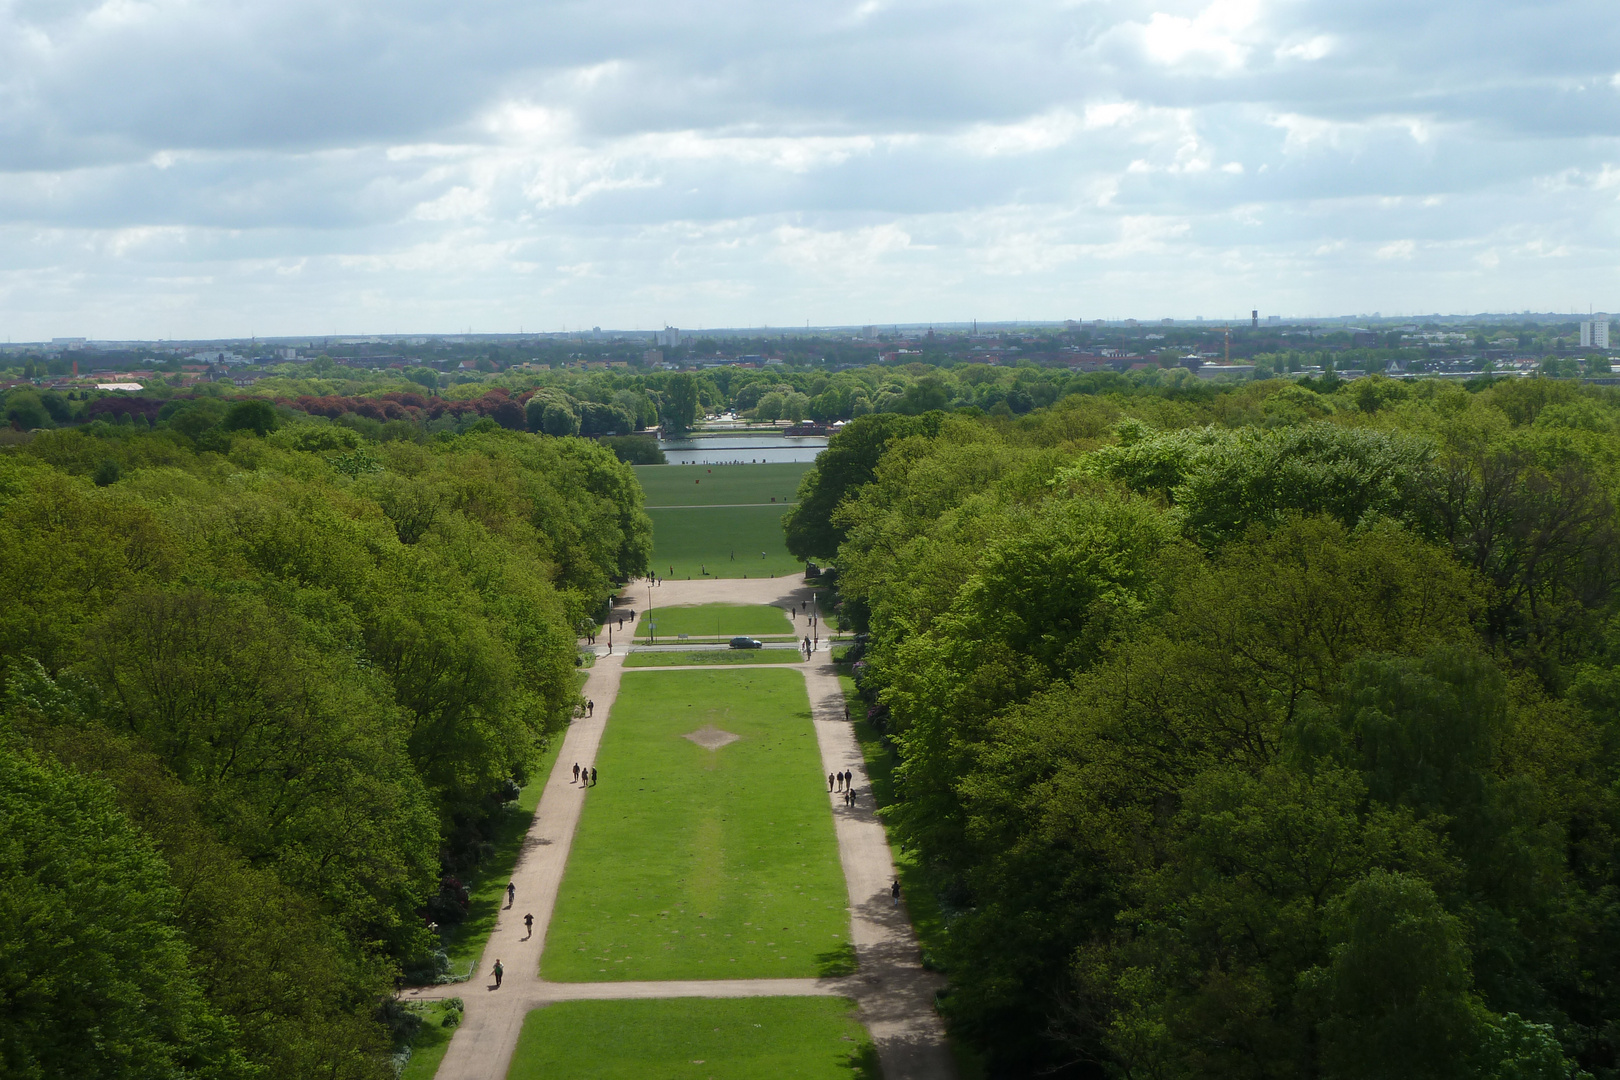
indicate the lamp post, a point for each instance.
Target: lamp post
{"x":652,"y":631}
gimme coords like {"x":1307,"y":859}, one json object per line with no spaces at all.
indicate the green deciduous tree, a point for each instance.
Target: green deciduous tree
{"x":97,"y":980}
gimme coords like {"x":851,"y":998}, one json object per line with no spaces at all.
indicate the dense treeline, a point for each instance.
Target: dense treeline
{"x":264,"y":691}
{"x":1268,"y":733}
{"x":395,"y":405}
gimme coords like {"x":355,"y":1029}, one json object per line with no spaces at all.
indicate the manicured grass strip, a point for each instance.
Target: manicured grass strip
{"x":464,"y":944}
{"x":691,"y":863}
{"x":428,"y":1048}
{"x":806,"y":1038}
{"x":714,"y":656}
{"x":714,"y":621}
{"x":715,"y":639}
{"x":710,"y":485}
{"x":725,"y":541}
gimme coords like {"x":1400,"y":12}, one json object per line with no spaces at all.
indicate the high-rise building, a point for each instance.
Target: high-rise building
{"x":1595,"y":332}
{"x":1254,"y":319}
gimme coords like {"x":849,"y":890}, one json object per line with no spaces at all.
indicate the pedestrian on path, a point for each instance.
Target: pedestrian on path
{"x":830,"y":780}
{"x":590,"y":708}
{"x":894,"y":893}
{"x":528,"y":924}
{"x":576,"y":772}
{"x":511,"y":893}
{"x":593,"y":776}
{"x":498,"y":972}
{"x":846,"y":712}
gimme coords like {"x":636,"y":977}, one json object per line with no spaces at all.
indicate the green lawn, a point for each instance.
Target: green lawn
{"x":464,"y":944}
{"x":806,"y":1038}
{"x":724,"y":541}
{"x":714,"y":656}
{"x":428,"y":1048}
{"x":716,"y":620}
{"x":710,"y":485}
{"x":696,"y":863}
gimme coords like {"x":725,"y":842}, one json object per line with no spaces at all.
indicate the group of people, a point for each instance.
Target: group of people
{"x":588,"y":773}
{"x":841,"y":781}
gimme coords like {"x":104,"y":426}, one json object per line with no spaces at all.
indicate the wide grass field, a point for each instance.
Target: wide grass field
{"x":719,"y":519}
{"x":803,"y":1038}
{"x":692,"y":863}
{"x":711,"y":485}
{"x":715,"y":657}
{"x":721,"y":542}
{"x":716,"y":621}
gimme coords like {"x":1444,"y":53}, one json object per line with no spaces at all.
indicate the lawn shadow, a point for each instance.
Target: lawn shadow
{"x":836,"y":963}
{"x":863,"y":1062}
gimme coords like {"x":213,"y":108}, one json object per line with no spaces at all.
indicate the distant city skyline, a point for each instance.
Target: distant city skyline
{"x":1585,"y":323}
{"x":181,"y":171}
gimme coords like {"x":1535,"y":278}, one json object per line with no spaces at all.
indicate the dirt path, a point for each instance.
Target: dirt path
{"x":893,"y":992}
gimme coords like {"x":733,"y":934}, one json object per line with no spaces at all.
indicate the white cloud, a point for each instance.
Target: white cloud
{"x":182,"y":168}
{"x":1218,"y":34}
{"x":1313,"y":48}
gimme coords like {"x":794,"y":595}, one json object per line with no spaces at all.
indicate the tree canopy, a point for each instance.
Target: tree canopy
{"x":1262,"y":734}
{"x":268,"y":686}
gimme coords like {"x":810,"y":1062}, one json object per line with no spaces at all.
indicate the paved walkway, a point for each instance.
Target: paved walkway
{"x":894,"y":994}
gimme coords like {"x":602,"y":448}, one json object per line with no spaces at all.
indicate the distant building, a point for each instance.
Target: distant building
{"x":653,"y":357}
{"x":669,"y":338}
{"x":1254,"y":319}
{"x":1595,"y":332}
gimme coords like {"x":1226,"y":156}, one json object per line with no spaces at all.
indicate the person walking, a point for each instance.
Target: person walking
{"x":498,"y":972}
{"x":894,"y":893}
{"x":528,"y":925}
{"x":593,"y":776}
{"x":590,"y":707}
{"x":511,"y":893}
{"x":576,"y":772}
{"x":831,"y":779}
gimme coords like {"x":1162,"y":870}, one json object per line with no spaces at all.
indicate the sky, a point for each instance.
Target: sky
{"x":222,"y":168}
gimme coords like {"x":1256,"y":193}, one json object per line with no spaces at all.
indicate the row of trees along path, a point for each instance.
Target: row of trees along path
{"x":894,"y":995}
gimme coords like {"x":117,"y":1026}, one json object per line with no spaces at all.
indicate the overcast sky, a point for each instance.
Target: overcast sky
{"x":189,"y":168}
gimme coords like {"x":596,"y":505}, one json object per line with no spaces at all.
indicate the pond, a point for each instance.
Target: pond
{"x":741,"y":449}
